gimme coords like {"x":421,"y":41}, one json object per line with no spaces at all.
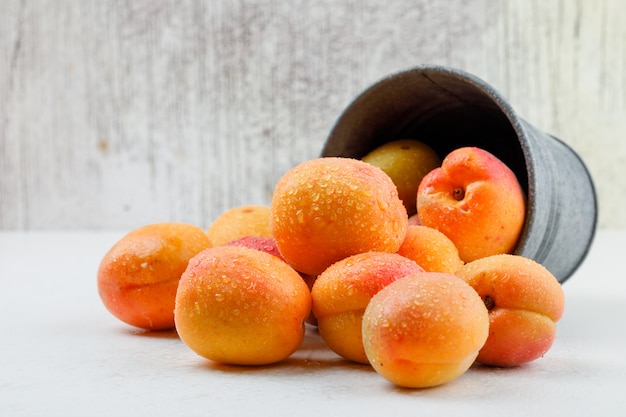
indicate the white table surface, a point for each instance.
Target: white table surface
{"x":63,"y":354}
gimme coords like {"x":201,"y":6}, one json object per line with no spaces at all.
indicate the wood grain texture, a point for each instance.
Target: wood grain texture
{"x":114,"y":114}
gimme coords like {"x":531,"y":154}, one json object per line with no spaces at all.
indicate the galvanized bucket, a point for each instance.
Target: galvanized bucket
{"x":447,"y":109}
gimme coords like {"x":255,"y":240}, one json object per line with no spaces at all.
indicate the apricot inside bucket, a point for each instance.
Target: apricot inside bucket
{"x":448,"y":109}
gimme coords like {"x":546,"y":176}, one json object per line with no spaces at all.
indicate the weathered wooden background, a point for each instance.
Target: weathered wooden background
{"x":114,"y":114}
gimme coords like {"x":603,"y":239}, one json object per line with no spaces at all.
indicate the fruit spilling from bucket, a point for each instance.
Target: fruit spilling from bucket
{"x":403,"y":262}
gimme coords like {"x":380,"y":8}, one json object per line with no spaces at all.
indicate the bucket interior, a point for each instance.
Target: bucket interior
{"x":439,"y":108}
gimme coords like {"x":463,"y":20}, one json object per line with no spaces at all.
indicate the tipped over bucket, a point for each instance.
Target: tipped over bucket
{"x":447,"y":109}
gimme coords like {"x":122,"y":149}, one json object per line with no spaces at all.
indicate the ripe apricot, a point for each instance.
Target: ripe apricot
{"x":138,"y":276}
{"x":237,"y":305}
{"x":414,"y":220}
{"x":268,"y":245}
{"x":525,"y":301}
{"x":265,"y":244}
{"x":238,"y":222}
{"x":406,"y":161}
{"x":327,"y":209}
{"x":476,"y":200}
{"x":431,"y":249}
{"x":424,"y":329}
{"x":341,"y":293}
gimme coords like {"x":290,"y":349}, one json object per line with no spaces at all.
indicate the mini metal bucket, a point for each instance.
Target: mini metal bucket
{"x":448,"y":109}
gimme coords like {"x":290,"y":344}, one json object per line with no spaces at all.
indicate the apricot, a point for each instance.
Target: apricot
{"x":238,"y":222}
{"x":341,"y":293}
{"x":265,"y":244}
{"x":138,"y":277}
{"x":414,"y":220}
{"x":327,"y":209}
{"x":431,"y":249}
{"x":525,"y":301}
{"x":425,"y":329}
{"x":241,"y":306}
{"x":406,"y":161}
{"x":475,"y":200}
{"x":268,"y":245}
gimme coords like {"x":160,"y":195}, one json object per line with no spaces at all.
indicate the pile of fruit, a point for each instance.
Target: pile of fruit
{"x":400,"y":260}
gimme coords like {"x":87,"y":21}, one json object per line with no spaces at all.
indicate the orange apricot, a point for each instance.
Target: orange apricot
{"x":414,"y":220}
{"x":424,"y":329}
{"x":238,"y":222}
{"x":341,"y":294}
{"x":525,"y":301}
{"x":476,"y":200}
{"x":268,"y":245}
{"x":327,"y":209}
{"x":265,"y":244}
{"x":431,"y":249}
{"x":138,"y":277}
{"x":242,"y":306}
